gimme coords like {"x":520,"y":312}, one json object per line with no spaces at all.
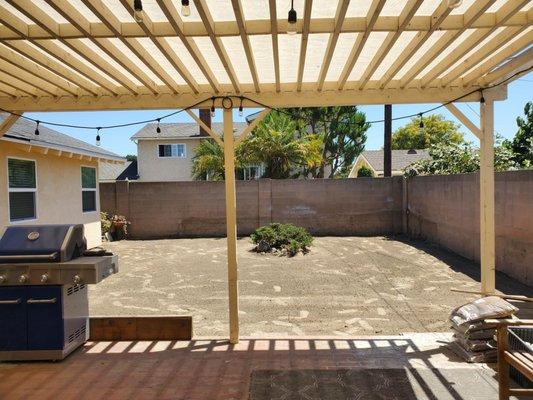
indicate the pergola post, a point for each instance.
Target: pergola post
{"x":387,"y":142}
{"x":486,"y":196}
{"x":231,"y":224}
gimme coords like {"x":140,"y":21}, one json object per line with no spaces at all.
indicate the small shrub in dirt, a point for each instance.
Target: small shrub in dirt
{"x":287,"y":238}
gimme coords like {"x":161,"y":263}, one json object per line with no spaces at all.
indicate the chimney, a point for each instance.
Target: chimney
{"x":205,"y":116}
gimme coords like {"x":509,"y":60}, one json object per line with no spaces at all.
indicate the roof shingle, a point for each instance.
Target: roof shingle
{"x":182,"y":130}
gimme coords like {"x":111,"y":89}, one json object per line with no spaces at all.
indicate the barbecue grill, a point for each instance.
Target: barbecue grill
{"x":44,"y":273}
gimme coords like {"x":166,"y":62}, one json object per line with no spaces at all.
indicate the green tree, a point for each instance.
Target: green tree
{"x":131,"y":157}
{"x":436,"y":129}
{"x":365,"y":172}
{"x":276,"y":144}
{"x":208,"y":162}
{"x":522,"y":143}
{"x":458,"y":158}
{"x":343,"y":132}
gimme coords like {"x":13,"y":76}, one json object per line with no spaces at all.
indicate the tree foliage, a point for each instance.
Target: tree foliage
{"x":365,"y":172}
{"x":208,"y":162}
{"x":522,"y":144}
{"x":343,"y":133}
{"x":131,"y":157}
{"x":276,"y":144}
{"x":459,"y":159}
{"x":436,"y":130}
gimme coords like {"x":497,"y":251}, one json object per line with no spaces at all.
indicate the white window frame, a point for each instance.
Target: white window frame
{"x":95,"y":189}
{"x":172,"y":144}
{"x":20,"y":190}
{"x":246,"y":172}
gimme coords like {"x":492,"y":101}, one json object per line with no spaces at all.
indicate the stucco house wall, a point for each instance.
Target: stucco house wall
{"x":153,"y":168}
{"x":58,"y":193}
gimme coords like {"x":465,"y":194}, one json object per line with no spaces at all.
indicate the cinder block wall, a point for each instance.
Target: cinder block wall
{"x":445,"y":210}
{"x":197,"y":209}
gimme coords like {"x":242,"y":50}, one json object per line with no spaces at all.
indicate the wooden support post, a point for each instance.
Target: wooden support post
{"x":231,"y":225}
{"x":387,"y":142}
{"x":8,"y":123}
{"x":486,"y":196}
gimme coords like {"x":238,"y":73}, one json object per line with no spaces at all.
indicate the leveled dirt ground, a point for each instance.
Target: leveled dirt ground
{"x":344,"y":286}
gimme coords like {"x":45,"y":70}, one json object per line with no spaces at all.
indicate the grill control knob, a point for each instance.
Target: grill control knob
{"x":23,"y":278}
{"x":3,"y":279}
{"x":77,"y":279}
{"x":44,"y":278}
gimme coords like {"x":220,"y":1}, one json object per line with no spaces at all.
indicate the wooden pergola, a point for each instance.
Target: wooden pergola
{"x":73,"y":55}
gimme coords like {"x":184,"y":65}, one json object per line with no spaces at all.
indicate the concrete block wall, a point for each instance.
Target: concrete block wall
{"x":445,"y":210}
{"x":197,"y":209}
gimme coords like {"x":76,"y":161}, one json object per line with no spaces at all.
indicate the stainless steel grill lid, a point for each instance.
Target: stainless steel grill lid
{"x":45,"y":243}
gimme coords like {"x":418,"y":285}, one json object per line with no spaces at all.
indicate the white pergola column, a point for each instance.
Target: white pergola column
{"x":486,"y":196}
{"x":231,"y":224}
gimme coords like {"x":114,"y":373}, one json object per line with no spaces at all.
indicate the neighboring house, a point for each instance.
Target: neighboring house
{"x":117,"y":172}
{"x":373,"y":159}
{"x":50,"y":179}
{"x":167,"y":155}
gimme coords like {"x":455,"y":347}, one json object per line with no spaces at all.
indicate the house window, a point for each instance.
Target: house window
{"x":22,"y":187}
{"x":252,"y":172}
{"x":88,"y":189}
{"x":172,"y":150}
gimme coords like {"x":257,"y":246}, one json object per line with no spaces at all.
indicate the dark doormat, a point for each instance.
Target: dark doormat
{"x":371,"y":384}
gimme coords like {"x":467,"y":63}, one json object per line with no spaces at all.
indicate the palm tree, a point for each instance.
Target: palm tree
{"x":208,"y":163}
{"x":276,"y":144}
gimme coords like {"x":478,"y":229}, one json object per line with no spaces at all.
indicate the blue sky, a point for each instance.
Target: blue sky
{"x":118,"y":140}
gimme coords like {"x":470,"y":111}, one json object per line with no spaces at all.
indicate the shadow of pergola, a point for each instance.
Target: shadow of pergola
{"x":216,"y":369}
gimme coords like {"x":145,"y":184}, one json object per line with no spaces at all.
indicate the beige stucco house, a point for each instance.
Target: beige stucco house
{"x":50,"y":179}
{"x":373,"y":159}
{"x":167,"y":155}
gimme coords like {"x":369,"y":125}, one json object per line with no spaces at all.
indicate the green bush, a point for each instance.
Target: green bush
{"x":106,"y":222}
{"x":365,"y":172}
{"x":283,"y":237}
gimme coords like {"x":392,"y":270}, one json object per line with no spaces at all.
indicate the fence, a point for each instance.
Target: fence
{"x":442,"y":209}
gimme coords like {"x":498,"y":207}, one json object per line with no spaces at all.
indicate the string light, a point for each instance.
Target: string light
{"x":158,"y":129}
{"x":212,"y":106}
{"x":291,"y":19}
{"x":454,"y":3}
{"x":137,"y":10}
{"x":37,"y":128}
{"x":421,"y":125}
{"x":241,"y":111}
{"x":185,"y":8}
{"x":482,"y":99}
{"x":98,"y":137}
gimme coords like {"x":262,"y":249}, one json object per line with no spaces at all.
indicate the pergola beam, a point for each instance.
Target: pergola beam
{"x":373,"y":13}
{"x":272,"y":99}
{"x":206,"y":128}
{"x":464,"y":120}
{"x":7,"y":123}
{"x":472,"y":41}
{"x":515,"y":68}
{"x":405,"y":18}
{"x":340,"y":14}
{"x":303,"y":46}
{"x":439,"y":16}
{"x":239,"y":16}
{"x":207,"y":19}
{"x":261,"y":26}
{"x":275,"y":45}
{"x":244,"y":134}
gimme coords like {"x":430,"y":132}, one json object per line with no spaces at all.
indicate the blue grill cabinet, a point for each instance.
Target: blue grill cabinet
{"x":42,"y":322}
{"x":44,"y":273}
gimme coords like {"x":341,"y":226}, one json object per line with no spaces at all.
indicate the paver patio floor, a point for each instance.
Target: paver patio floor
{"x":211,"y":370}
{"x":345,"y":286}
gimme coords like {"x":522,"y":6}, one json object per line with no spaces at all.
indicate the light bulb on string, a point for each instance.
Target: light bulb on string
{"x":137,"y":10}
{"x":158,"y":129}
{"x":37,"y":128}
{"x":185,"y":8}
{"x":213,"y":107}
{"x":421,"y":125}
{"x":98,"y":137}
{"x":292,"y":18}
{"x":241,"y":111}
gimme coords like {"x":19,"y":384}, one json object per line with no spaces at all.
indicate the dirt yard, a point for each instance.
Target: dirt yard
{"x":345,"y":286}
